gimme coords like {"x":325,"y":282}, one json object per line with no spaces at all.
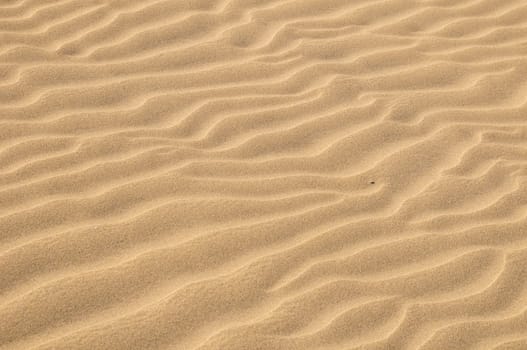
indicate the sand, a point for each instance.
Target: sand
{"x":263,"y":174}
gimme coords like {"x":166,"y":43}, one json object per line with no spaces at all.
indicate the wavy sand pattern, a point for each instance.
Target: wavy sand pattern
{"x":277,"y":174}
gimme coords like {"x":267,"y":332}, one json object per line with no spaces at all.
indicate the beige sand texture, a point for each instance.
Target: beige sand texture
{"x":263,"y":174}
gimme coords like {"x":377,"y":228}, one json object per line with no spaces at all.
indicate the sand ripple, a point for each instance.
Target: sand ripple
{"x":274,"y":175}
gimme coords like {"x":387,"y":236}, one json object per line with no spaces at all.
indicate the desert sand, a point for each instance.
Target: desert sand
{"x":263,"y":174}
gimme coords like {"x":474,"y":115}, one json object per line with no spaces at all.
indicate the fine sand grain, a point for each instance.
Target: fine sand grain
{"x":263,"y":174}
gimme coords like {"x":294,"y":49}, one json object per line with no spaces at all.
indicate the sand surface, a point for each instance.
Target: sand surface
{"x":263,"y":174}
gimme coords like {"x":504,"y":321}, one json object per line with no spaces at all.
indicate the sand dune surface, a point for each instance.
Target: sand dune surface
{"x":263,"y":174}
